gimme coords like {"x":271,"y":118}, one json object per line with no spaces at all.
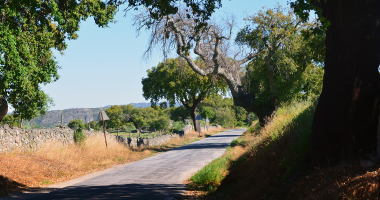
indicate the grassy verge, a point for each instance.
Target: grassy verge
{"x":55,"y":163}
{"x":261,"y":157}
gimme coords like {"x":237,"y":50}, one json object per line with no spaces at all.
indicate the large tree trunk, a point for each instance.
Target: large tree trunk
{"x":3,"y":108}
{"x":345,"y":119}
{"x":194,"y":114}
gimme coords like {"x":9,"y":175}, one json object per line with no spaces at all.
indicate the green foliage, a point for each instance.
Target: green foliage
{"x":179,"y":113}
{"x":160,"y":123}
{"x":28,"y":32}
{"x":141,"y":117}
{"x":225,"y":117}
{"x":221,"y":111}
{"x":79,"y":136}
{"x":290,"y":69}
{"x":177,"y":126}
{"x":76,"y":124}
{"x":174,"y":81}
{"x":115,"y":113}
{"x":202,"y":10}
{"x":207,"y":112}
{"x":212,"y":175}
{"x":287,"y":136}
{"x":11,"y":120}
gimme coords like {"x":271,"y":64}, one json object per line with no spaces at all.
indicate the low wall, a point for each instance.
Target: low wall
{"x":137,"y":142}
{"x":29,"y":139}
{"x":189,"y":128}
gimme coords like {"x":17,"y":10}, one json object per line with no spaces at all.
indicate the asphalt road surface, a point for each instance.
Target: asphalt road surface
{"x":156,"y":177}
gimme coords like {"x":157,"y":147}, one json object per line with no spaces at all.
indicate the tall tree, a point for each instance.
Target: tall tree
{"x":28,"y":32}
{"x":346,"y":117}
{"x":175,"y":81}
{"x":180,"y":32}
{"x":290,"y":68}
{"x":345,"y":120}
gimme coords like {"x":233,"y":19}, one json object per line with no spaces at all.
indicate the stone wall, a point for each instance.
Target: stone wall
{"x":30,"y":139}
{"x":189,"y":128}
{"x":137,"y":142}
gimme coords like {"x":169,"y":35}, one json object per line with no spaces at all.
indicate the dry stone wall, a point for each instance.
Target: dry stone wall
{"x":146,"y":142}
{"x":31,"y":139}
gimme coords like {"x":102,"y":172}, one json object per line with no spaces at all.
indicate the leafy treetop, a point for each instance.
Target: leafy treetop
{"x":28,"y":32}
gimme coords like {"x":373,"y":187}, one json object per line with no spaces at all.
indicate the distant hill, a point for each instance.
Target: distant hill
{"x":53,"y":117}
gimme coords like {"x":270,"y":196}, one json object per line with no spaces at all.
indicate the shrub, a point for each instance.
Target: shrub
{"x":225,"y":117}
{"x":79,"y":136}
{"x":177,"y":126}
{"x":160,"y":123}
{"x":75,"y":124}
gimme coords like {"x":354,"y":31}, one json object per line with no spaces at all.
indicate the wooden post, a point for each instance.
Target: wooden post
{"x":104,"y":128}
{"x":199,"y":125}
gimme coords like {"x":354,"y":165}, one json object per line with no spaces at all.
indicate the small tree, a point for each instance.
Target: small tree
{"x":175,"y":81}
{"x":160,"y":123}
{"x":76,"y":124}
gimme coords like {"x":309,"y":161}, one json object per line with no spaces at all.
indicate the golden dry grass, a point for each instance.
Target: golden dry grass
{"x":55,"y":163}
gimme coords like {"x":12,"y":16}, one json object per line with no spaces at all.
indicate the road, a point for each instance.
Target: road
{"x":156,"y":177}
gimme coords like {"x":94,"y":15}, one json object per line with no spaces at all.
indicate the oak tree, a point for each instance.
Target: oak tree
{"x":28,"y":32}
{"x":175,"y":81}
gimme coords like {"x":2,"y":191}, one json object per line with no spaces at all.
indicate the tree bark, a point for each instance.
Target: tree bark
{"x":3,"y":108}
{"x":193,"y":109}
{"x":346,"y":117}
{"x":193,"y":116}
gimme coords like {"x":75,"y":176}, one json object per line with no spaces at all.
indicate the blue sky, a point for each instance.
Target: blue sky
{"x":104,"y":66}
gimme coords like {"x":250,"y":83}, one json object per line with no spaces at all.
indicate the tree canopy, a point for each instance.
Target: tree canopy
{"x":290,"y":68}
{"x":28,"y":32}
{"x":174,"y":81}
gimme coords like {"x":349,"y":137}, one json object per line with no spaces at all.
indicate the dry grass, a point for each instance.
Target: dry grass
{"x":272,"y":166}
{"x":263,"y":157}
{"x":55,"y":163}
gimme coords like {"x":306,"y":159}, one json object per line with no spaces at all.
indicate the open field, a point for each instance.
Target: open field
{"x":55,"y":163}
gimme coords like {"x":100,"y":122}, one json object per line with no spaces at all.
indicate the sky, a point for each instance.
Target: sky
{"x":104,"y":66}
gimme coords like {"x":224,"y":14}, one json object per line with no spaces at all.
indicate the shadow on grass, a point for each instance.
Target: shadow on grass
{"x":269,"y":169}
{"x":8,"y":186}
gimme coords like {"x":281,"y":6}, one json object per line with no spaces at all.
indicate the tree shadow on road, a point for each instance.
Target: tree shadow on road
{"x":8,"y":186}
{"x":128,"y":191}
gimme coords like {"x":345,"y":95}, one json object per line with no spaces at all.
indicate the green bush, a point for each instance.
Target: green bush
{"x":240,"y":124}
{"x":79,"y":136}
{"x":177,"y":126}
{"x":75,"y":124}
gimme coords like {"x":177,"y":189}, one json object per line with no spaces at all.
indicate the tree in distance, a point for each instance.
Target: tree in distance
{"x":222,"y":111}
{"x":115,"y":113}
{"x":141,"y":117}
{"x":179,"y":113}
{"x":174,"y":81}
{"x":28,"y":32}
{"x":212,"y":45}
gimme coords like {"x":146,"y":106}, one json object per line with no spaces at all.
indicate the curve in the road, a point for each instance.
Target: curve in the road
{"x":157,"y":177}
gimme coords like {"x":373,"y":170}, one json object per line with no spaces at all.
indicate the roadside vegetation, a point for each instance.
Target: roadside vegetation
{"x":270,"y":162}
{"x":55,"y":163}
{"x":261,"y":157}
